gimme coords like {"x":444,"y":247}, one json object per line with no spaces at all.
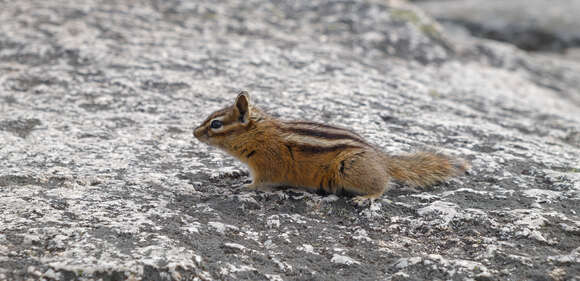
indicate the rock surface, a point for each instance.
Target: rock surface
{"x":538,"y":25}
{"x":101,"y":178}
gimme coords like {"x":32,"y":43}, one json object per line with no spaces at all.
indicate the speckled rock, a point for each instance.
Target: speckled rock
{"x":530,"y":24}
{"x":101,"y":178}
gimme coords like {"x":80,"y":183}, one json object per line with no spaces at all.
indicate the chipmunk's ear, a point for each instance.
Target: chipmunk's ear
{"x":243,"y":107}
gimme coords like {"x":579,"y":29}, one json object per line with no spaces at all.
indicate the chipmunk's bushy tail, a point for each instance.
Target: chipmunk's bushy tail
{"x":423,"y":169}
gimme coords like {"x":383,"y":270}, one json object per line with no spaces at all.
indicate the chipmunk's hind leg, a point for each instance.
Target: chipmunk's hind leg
{"x":363,"y":174}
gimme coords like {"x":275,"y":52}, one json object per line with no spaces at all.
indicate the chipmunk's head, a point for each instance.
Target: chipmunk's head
{"x":226,"y":124}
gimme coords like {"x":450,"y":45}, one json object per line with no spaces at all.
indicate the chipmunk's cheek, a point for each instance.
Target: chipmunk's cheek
{"x":213,"y":142}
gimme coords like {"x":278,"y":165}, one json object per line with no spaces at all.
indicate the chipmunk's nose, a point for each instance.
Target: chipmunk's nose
{"x":198,"y":132}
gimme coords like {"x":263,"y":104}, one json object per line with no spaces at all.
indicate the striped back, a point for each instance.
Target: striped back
{"x":313,"y":137}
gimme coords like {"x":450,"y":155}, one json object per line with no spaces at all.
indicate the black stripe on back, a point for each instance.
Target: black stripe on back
{"x":314,"y":149}
{"x":323,"y":134}
{"x":314,"y":124}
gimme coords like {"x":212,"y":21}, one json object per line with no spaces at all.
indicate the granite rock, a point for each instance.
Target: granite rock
{"x":101,"y":178}
{"x":536,"y":25}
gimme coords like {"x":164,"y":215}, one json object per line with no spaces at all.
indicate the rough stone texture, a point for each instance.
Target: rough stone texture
{"x":530,"y":24}
{"x":101,"y":179}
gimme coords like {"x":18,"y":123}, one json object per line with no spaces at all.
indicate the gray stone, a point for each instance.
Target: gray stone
{"x":100,"y":177}
{"x":530,"y":24}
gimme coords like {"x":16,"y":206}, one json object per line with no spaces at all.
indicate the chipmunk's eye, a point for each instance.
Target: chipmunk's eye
{"x":216,"y":124}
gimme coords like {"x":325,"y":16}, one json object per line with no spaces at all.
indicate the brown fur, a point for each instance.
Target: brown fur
{"x":317,"y":157}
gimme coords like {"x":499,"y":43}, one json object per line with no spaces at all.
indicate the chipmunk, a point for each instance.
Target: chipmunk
{"x":314,"y":156}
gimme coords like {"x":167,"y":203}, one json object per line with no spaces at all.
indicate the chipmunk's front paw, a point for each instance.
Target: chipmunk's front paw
{"x":260,"y":187}
{"x":361,"y":201}
{"x":250,"y":186}
{"x":365,"y":200}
